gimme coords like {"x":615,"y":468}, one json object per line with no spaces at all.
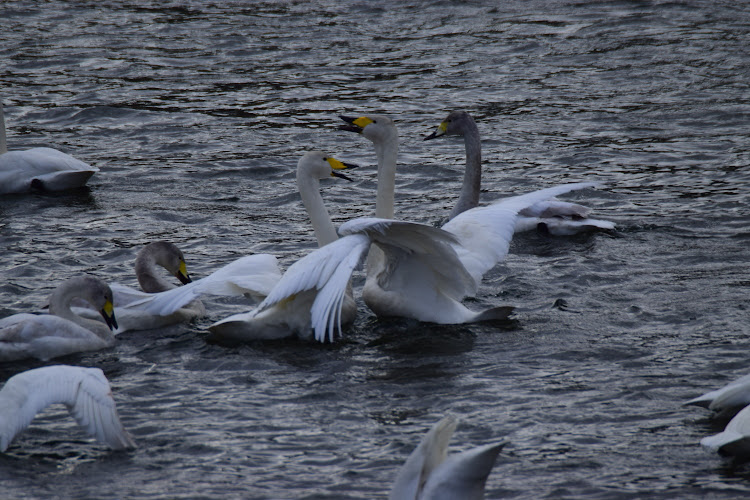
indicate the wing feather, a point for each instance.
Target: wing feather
{"x":256,"y":274}
{"x":84,"y":391}
{"x":435,"y":249}
{"x":485,"y":233}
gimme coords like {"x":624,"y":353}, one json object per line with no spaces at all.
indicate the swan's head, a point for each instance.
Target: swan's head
{"x":456,"y":123}
{"x":98,"y":294}
{"x":376,"y":128}
{"x":168,"y":256}
{"x":318,"y":165}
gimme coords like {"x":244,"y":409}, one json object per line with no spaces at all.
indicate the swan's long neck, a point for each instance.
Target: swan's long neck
{"x":309,"y":190}
{"x":3,"y":143}
{"x":149,"y":276}
{"x":469,"y":197}
{"x":59,"y":305}
{"x":387,"y":153}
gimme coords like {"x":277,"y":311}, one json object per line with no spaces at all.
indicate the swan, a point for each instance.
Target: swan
{"x":555,"y":217}
{"x":161,"y":303}
{"x":729,"y":398}
{"x":84,"y":391}
{"x":428,"y":475}
{"x":61,"y":332}
{"x":273,"y":318}
{"x":735,"y":439}
{"x":45,"y":169}
{"x":400,"y":286}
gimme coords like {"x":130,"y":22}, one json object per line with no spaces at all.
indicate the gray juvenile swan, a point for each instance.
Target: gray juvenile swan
{"x":557,"y":217}
{"x":430,"y":474}
{"x":61,"y":332}
{"x":39,"y":168}
{"x":84,"y":391}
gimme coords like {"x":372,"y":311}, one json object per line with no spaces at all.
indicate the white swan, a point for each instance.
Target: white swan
{"x":161,"y":303}
{"x":84,"y":391}
{"x":290,"y":315}
{"x":428,"y":475}
{"x":557,"y":217}
{"x":732,"y":396}
{"x":399,"y":287}
{"x":39,"y":168}
{"x":61,"y":332}
{"x":735,"y":439}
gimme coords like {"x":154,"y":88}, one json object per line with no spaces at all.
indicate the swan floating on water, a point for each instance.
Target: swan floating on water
{"x":84,"y":391}
{"x":61,"y":332}
{"x":429,"y":474}
{"x":556,"y":217}
{"x":286,"y":310}
{"x":161,"y":303}
{"x":44,"y":169}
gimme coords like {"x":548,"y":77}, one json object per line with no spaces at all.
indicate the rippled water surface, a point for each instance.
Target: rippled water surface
{"x":197,"y":112}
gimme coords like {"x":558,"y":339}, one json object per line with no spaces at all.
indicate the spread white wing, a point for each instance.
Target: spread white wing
{"x":485,"y":233}
{"x":84,"y":391}
{"x":254,"y":274}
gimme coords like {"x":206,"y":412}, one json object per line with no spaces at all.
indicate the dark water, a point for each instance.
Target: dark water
{"x":197,"y":113}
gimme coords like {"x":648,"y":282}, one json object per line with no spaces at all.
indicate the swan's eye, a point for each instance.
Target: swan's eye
{"x":325,"y":158}
{"x":374,"y":121}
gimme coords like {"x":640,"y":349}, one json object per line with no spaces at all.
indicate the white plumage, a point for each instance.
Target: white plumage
{"x":286,"y":311}
{"x":84,"y":391}
{"x":735,"y":394}
{"x":161,"y":303}
{"x":735,"y":439}
{"x":430,"y":474}
{"x":39,"y":168}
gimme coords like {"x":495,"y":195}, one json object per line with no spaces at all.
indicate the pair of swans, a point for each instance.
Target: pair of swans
{"x":414,"y":271}
{"x":735,"y":438}
{"x":77,"y":306}
{"x":43,"y":169}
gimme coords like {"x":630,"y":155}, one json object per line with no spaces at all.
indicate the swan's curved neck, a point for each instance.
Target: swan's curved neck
{"x":59,"y":305}
{"x":3,"y":143}
{"x":149,"y":276}
{"x":387,"y":153}
{"x":469,"y":197}
{"x":309,"y":190}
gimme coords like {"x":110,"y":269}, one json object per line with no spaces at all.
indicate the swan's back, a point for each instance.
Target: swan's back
{"x":84,"y":391}
{"x":42,"y":168}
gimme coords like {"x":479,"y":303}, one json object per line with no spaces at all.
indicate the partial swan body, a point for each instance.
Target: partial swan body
{"x":39,"y":168}
{"x":553,"y":216}
{"x":732,"y":396}
{"x":61,"y":332}
{"x":161,"y":303}
{"x":286,"y":311}
{"x":735,"y":439}
{"x":84,"y":391}
{"x":429,"y":474}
